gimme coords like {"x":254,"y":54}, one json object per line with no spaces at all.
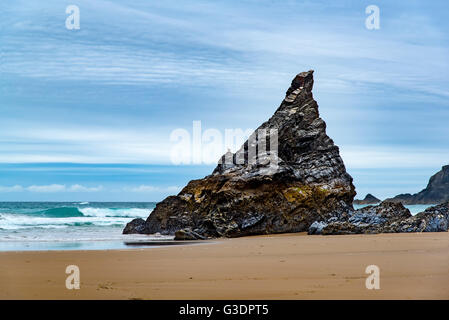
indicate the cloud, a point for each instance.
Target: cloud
{"x":56,"y":188}
{"x":49,"y":188}
{"x":16,"y":188}
{"x":52,"y":188}
{"x":80,"y":188}
{"x":223,"y":46}
{"x":203,"y":46}
{"x":83,"y":145}
{"x":149,"y":188}
{"x":393,"y":157}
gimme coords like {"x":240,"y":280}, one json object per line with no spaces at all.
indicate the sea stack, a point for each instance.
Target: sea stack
{"x":369,"y":199}
{"x":271,"y":190}
{"x":436,"y":192}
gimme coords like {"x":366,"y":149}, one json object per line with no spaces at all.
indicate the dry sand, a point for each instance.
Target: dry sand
{"x":293,"y":266}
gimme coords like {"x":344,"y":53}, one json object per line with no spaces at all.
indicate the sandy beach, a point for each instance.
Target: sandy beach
{"x":290,"y":266}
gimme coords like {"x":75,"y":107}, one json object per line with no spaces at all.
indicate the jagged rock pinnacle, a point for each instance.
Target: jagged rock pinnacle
{"x":260,"y":190}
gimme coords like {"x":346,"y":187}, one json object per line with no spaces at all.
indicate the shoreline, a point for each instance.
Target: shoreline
{"x":284,"y":266}
{"x":109,"y":245}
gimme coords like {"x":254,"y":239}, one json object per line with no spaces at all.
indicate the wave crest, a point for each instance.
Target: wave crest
{"x":62,"y":212}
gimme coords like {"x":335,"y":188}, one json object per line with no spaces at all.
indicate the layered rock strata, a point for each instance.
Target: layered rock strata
{"x":388,"y":217}
{"x":286,"y":176}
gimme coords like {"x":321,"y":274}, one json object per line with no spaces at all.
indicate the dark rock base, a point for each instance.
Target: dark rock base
{"x":388,"y":217}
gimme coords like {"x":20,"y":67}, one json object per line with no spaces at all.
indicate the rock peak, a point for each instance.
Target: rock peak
{"x":303,"y":82}
{"x":369,"y":199}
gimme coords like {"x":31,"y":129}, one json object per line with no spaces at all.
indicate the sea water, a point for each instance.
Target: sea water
{"x":71,"y":225}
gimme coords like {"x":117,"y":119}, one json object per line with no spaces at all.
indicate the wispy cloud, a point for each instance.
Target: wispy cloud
{"x":16,"y":188}
{"x":49,"y":188}
{"x":149,"y":188}
{"x":214,"y":50}
{"x":357,"y":157}
{"x":80,"y":188}
{"x":82,"y":145}
{"x":56,"y":188}
{"x":113,"y":91}
{"x":52,"y":188}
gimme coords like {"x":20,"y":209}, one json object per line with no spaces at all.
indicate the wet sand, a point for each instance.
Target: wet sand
{"x":290,"y":266}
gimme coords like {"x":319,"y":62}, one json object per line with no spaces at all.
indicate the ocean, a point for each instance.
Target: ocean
{"x":78,"y":225}
{"x":70,"y":225}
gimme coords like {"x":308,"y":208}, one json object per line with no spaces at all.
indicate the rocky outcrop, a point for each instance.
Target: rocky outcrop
{"x":135,"y":226}
{"x":286,"y":176}
{"x":433,"y":219}
{"x":388,"y":217}
{"x":369,"y":199}
{"x":369,"y":219}
{"x":437,"y":191}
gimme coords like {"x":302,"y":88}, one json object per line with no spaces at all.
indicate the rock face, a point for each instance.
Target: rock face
{"x":135,"y":226}
{"x":273,"y":190}
{"x":369,"y":199}
{"x":437,"y":191}
{"x":371,"y":219}
{"x":433,"y":219}
{"x":388,"y":217}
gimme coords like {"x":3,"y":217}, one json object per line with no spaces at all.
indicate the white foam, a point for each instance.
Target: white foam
{"x":13,"y":222}
{"x":95,"y":224}
{"x":106,"y":212}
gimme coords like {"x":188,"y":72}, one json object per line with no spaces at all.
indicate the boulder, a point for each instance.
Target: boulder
{"x":135,"y":226}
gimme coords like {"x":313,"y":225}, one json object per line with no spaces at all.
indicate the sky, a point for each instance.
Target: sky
{"x":87,"y":114}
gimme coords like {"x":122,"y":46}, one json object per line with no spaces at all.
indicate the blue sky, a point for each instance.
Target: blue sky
{"x":87,"y":114}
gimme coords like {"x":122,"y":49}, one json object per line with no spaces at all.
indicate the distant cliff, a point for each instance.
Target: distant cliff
{"x":437,"y":191}
{"x":369,"y":199}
